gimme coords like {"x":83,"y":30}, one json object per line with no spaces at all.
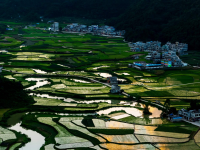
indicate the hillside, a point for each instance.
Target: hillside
{"x":32,"y":9}
{"x":162,"y":20}
{"x":143,"y":20}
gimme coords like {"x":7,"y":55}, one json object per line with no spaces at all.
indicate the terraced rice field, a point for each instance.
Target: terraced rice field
{"x":150,"y":130}
{"x":73,"y":112}
{"x":111,"y":146}
{"x":81,"y":129}
{"x":157,"y":139}
{"x":13,"y":147}
{"x":183,"y":146}
{"x":197,"y":138}
{"x":65,"y":138}
{"x":6,"y":134}
{"x":111,"y":124}
{"x":49,"y":147}
{"x":129,"y":138}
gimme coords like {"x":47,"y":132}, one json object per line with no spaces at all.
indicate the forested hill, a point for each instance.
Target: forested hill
{"x":143,"y":20}
{"x":163,"y":20}
{"x":92,"y":9}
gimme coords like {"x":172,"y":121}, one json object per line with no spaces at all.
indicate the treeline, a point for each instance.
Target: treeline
{"x":31,"y":10}
{"x":12,"y":94}
{"x":162,"y":20}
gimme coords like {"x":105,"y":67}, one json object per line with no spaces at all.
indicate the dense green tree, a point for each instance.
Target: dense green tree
{"x":60,"y":28}
{"x":193,"y":104}
{"x":32,"y":17}
{"x":167,"y":103}
{"x":13,"y":95}
{"x":2,"y":28}
{"x":146,"y":108}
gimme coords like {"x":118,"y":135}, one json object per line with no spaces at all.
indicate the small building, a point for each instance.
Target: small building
{"x":143,"y":65}
{"x":174,"y":118}
{"x":112,"y":80}
{"x":54,"y":27}
{"x":135,"y":57}
{"x":190,"y":115}
{"x":115,"y":89}
{"x":148,"y":57}
{"x":50,"y":21}
{"x":9,"y":29}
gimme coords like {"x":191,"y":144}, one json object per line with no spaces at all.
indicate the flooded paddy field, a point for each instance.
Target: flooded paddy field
{"x":67,"y":78}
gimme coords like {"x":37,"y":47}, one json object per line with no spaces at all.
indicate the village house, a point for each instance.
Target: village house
{"x":50,"y":22}
{"x":115,"y":89}
{"x":143,"y":65}
{"x":112,"y":80}
{"x":135,"y":56}
{"x":54,"y":27}
{"x":180,"y":48}
{"x":174,"y":118}
{"x":190,"y":115}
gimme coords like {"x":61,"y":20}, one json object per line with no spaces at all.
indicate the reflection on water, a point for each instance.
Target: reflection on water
{"x":37,"y":140}
{"x":95,"y":101}
{"x":63,"y":65}
{"x":39,"y":71}
{"x":23,"y":45}
{"x":121,"y":80}
{"x":65,"y":114}
{"x":53,"y":97}
{"x":81,"y":81}
{"x":100,"y":67}
{"x":155,"y":112}
{"x":126,"y":74}
{"x":3,"y":51}
{"x":40,"y":82}
{"x":105,"y":75}
{"x":133,"y":111}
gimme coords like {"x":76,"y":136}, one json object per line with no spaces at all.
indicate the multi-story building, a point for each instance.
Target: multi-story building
{"x":115,"y":89}
{"x":167,"y":54}
{"x":190,"y":115}
{"x":112,"y":80}
{"x":54,"y":27}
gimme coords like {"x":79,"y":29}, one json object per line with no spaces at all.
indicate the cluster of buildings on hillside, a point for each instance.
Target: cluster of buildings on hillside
{"x":180,"y":48}
{"x":95,"y":29}
{"x":80,"y":28}
{"x":191,"y":115}
{"x":162,"y":56}
{"x":114,"y":85}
